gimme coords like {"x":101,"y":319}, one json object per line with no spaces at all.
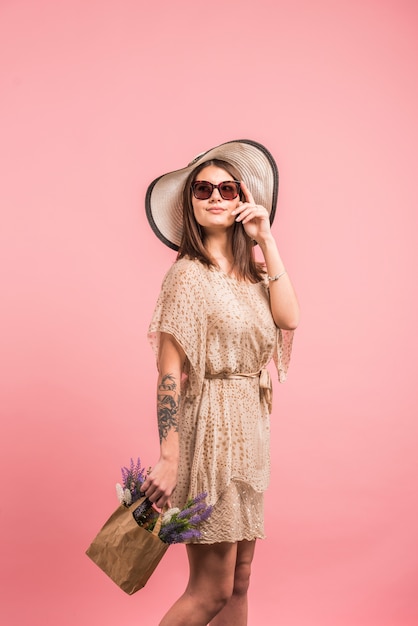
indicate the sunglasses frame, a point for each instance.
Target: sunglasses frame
{"x":218,"y":187}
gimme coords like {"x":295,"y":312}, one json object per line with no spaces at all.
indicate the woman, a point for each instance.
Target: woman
{"x":220,"y":318}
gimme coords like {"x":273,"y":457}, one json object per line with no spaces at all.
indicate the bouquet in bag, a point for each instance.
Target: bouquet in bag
{"x":136,"y":536}
{"x":177,"y":525}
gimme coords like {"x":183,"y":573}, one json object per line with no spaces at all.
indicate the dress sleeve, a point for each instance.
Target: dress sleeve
{"x":283,"y":350}
{"x":283,"y":347}
{"x":181,"y":312}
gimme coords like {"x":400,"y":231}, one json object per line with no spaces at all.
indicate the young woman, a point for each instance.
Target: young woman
{"x":220,"y":318}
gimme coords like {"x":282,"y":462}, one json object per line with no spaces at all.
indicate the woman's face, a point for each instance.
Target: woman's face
{"x":214,"y":213}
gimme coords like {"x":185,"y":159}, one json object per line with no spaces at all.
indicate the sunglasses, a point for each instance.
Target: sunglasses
{"x":203,"y":189}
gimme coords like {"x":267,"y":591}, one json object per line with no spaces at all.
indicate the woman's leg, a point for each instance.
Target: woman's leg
{"x":210,"y":586}
{"x":235,"y":610}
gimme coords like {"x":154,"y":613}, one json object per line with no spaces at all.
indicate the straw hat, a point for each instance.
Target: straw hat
{"x":163,"y":202}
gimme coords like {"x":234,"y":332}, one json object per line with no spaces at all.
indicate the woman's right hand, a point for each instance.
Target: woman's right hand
{"x":161,"y":482}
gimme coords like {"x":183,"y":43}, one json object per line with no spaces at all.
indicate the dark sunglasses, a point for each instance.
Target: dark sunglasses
{"x":203,"y":189}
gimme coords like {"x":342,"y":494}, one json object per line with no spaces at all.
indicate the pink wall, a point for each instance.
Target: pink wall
{"x":99,"y":97}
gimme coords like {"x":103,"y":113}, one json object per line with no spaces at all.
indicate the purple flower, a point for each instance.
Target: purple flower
{"x":132,"y":478}
{"x":181,"y":525}
{"x":186,"y":535}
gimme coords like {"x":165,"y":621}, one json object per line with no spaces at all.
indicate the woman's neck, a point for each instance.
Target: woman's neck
{"x":220,"y":249}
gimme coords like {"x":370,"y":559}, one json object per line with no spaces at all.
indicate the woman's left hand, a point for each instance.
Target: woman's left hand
{"x":254,"y":217}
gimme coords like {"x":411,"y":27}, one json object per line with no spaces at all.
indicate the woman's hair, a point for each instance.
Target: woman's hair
{"x":193,"y":239}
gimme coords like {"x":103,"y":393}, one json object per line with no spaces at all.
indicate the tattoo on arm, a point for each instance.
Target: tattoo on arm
{"x":167,"y":406}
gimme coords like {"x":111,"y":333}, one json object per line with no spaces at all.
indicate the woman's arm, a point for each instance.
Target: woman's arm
{"x":160,"y":483}
{"x":283,"y":301}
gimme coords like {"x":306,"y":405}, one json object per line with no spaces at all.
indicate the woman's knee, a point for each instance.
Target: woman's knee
{"x":219,"y":598}
{"x":212,"y":597}
{"x":212,"y":572}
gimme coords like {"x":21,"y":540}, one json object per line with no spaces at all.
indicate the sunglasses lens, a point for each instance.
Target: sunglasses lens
{"x":202,"y":190}
{"x":229,"y":190}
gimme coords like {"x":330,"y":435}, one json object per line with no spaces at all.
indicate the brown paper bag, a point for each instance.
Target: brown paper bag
{"x":126,"y":552}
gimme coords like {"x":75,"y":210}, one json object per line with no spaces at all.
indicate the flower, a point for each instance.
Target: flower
{"x":127,"y":497}
{"x":167,"y":515}
{"x":132,"y":479}
{"x":124,"y":495}
{"x":182,"y":525}
{"x":177,"y":525}
{"x":119,"y":492}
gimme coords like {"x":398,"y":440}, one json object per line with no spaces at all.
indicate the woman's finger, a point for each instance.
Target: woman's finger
{"x":249,"y":212}
{"x":247,"y":193}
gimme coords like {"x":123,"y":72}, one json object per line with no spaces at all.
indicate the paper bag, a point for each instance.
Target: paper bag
{"x":126,"y":552}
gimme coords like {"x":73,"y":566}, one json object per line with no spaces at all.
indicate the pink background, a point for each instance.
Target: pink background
{"x":99,"y":97}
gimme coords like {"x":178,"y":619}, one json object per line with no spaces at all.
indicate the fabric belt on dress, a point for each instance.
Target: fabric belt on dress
{"x":264,"y":382}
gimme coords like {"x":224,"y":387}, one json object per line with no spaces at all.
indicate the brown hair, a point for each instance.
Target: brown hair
{"x":192,"y":243}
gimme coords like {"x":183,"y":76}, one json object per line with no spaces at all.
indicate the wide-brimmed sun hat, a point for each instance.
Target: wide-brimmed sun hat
{"x":164,"y":202}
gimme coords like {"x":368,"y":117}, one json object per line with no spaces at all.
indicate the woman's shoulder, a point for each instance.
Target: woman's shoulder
{"x":183,"y":269}
{"x":186,"y":263}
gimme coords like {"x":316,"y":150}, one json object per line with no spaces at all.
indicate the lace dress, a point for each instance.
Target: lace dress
{"x":227,"y":332}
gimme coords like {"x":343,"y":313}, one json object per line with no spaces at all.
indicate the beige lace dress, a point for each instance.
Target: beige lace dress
{"x":227,"y":332}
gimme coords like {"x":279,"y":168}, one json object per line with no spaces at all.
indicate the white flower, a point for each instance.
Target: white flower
{"x":124,"y":495}
{"x":127,"y":497}
{"x":166,"y":518}
{"x":119,"y":492}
